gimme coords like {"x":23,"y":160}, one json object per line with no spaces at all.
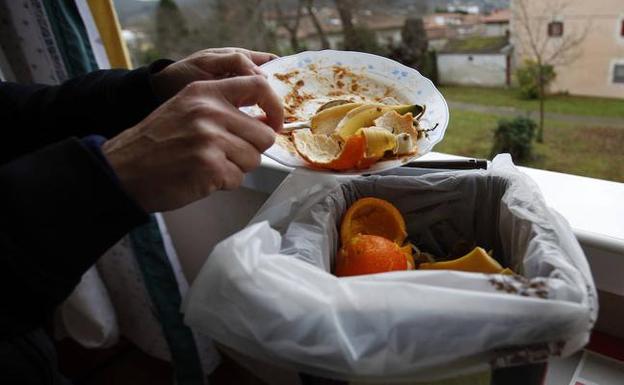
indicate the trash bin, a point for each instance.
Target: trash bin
{"x":268,"y":292}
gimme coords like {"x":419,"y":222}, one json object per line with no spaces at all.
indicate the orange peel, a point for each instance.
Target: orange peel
{"x":329,"y":151}
{"x":373,"y":216}
{"x":369,"y":254}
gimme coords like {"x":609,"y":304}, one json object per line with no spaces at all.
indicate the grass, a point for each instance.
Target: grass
{"x":570,"y":148}
{"x":562,"y":104}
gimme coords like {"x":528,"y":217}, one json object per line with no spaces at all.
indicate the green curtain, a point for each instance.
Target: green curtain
{"x":77,"y":55}
{"x":71,"y":36}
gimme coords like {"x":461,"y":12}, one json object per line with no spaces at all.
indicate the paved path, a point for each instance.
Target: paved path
{"x":585,"y":120}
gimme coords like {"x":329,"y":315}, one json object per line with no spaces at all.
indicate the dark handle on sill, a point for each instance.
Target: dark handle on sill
{"x":455,"y":164}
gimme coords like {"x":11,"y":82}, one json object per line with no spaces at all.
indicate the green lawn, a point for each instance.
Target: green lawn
{"x":589,"y":151}
{"x":563,"y":104}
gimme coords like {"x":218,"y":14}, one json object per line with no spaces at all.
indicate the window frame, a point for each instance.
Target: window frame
{"x":614,"y":65}
{"x":551,"y":28}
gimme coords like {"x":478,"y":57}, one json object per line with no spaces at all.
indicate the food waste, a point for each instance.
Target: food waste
{"x":350,"y":135}
{"x":373,"y":239}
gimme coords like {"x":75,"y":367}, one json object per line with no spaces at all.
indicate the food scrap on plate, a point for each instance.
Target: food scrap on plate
{"x":350,"y":129}
{"x":356,"y":135}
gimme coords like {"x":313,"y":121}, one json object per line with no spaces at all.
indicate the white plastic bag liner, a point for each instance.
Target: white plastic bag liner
{"x":267,"y":291}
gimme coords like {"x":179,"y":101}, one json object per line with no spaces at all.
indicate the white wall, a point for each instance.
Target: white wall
{"x":496,"y":29}
{"x":482,"y":70}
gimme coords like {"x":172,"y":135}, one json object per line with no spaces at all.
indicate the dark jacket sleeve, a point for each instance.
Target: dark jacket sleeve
{"x":102,"y":102}
{"x":60,"y":210}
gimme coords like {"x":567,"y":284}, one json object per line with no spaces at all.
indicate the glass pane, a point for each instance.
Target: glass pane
{"x":618,"y":73}
{"x":464,"y":49}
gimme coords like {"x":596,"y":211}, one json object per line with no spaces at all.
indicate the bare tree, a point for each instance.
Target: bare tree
{"x":241,"y":24}
{"x":319,"y":28}
{"x":171,"y":28}
{"x":345,"y":8}
{"x":289,"y":23}
{"x":532,"y":35}
{"x":357,"y":36}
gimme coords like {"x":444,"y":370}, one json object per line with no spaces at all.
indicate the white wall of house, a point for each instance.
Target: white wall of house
{"x":472,"y":69}
{"x":590,"y":69}
{"x":496,"y":29}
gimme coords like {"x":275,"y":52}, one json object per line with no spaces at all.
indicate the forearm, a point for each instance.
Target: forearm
{"x":101,"y":102}
{"x":60,"y":209}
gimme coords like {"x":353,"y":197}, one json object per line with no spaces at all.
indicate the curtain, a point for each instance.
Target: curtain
{"x":50,"y":41}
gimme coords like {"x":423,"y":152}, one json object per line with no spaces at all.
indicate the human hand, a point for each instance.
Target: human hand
{"x":195,"y":143}
{"x":208,"y":64}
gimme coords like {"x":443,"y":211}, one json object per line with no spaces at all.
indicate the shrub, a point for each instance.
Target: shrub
{"x":514,"y":136}
{"x":528,"y":78}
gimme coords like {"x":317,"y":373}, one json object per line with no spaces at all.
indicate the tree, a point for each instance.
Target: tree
{"x":290,"y":25}
{"x":317,"y":25}
{"x":356,"y":37}
{"x":529,"y":74}
{"x":170,"y":30}
{"x":533,"y":30}
{"x":413,"y":48}
{"x":242,"y":24}
{"x":344,"y":8}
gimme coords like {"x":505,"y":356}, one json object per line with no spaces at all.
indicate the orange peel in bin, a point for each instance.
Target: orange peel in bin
{"x":368,"y":254}
{"x":372,"y":235}
{"x":373,"y":216}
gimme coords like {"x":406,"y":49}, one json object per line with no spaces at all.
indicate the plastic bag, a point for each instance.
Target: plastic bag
{"x":267,"y":291}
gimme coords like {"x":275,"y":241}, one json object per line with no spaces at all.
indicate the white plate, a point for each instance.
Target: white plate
{"x":374,"y":77}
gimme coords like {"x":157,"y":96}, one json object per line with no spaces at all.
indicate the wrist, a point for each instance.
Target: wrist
{"x":119,"y":166}
{"x":98,"y":145}
{"x":159,"y":82}
{"x":95,"y":144}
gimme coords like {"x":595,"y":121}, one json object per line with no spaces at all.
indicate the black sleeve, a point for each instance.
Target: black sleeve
{"x":60,"y":210}
{"x":102,"y":102}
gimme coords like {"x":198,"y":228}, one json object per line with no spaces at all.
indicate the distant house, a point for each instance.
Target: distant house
{"x":441,"y":27}
{"x":598,"y":68}
{"x":497,"y":23}
{"x":480,"y":61}
{"x":387,"y":28}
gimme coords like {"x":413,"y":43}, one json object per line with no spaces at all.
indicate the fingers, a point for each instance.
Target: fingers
{"x":250,"y":90}
{"x":253,"y":131}
{"x":257,"y":57}
{"x":240,"y":152}
{"x":219,"y":173}
{"x":261,"y":57}
{"x":233,"y":63}
{"x":231,"y":176}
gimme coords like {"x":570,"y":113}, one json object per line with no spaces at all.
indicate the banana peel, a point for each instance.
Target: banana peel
{"x":378,"y":141}
{"x":477,"y":261}
{"x":326,"y":120}
{"x":364,"y":116}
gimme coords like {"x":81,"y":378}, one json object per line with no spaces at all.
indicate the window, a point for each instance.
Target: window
{"x":555,"y":29}
{"x":618,"y":73}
